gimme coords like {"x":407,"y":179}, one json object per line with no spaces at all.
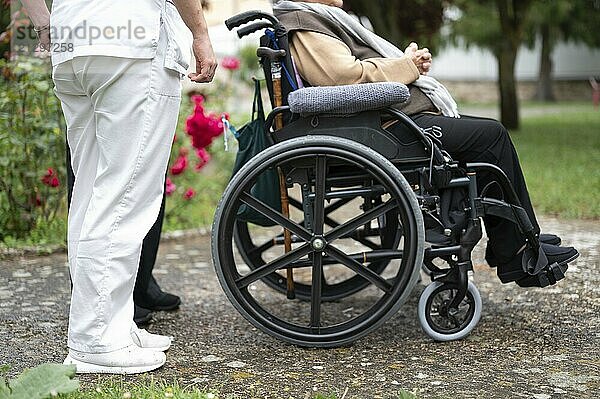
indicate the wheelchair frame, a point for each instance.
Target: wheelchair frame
{"x":425,"y":170}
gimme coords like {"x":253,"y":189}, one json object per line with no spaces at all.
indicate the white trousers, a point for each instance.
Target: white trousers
{"x":121,"y":116}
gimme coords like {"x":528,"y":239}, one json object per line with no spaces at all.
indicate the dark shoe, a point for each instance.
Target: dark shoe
{"x":141,"y":316}
{"x":157,"y":299}
{"x":551,"y":239}
{"x":557,"y":264}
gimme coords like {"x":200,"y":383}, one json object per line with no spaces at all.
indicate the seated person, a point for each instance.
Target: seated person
{"x":332,"y":48}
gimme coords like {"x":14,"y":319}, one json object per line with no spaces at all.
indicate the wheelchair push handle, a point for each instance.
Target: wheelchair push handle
{"x":249,"y":16}
{"x":247,"y":30}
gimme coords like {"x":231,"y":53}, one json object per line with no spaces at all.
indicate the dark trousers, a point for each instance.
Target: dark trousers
{"x":472,"y":139}
{"x":149,"y":245}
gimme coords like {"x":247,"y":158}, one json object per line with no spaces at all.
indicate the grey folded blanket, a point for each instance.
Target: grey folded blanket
{"x":347,"y":99}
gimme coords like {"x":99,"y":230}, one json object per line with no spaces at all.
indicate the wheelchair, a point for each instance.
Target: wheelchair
{"x":363,"y":211}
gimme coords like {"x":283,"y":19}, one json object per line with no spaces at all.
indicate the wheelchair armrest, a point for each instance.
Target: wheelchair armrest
{"x":348,"y":99}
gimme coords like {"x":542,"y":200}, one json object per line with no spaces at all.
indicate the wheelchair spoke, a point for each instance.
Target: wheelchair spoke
{"x":364,"y":241}
{"x":316,"y":290}
{"x":277,"y":240}
{"x":359,"y":269}
{"x":275,"y":216}
{"x":328,"y":209}
{"x":263,"y":247}
{"x":367,"y":243}
{"x":320,"y":181}
{"x":277,"y":264}
{"x":352,"y":225}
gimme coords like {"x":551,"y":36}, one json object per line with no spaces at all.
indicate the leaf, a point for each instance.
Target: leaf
{"x":4,"y":391}
{"x":406,"y":395}
{"x":42,"y":86}
{"x":43,"y":382}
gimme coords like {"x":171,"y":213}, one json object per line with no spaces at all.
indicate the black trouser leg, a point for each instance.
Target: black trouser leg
{"x":470,"y":139}
{"x":149,"y":245}
{"x":148,"y":256}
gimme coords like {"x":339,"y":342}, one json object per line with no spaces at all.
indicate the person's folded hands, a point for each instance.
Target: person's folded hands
{"x":420,"y":57}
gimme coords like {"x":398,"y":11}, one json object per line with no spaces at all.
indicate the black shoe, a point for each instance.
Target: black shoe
{"x":551,"y":239}
{"x":141,"y":316}
{"x":558,"y":259}
{"x":157,"y":299}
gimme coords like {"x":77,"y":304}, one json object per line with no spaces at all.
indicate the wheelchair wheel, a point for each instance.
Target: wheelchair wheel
{"x":252,"y":253}
{"x":321,"y":254}
{"x":440,"y":323}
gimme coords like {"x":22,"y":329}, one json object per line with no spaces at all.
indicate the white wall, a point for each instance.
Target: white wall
{"x":570,"y":62}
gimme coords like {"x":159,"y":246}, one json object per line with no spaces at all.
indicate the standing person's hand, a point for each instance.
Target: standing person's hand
{"x":40,"y":17}
{"x":420,"y":57}
{"x":44,"y":39}
{"x":206,"y":62}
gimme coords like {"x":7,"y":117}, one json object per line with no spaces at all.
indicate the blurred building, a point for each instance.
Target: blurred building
{"x":573,"y":64}
{"x":225,"y":42}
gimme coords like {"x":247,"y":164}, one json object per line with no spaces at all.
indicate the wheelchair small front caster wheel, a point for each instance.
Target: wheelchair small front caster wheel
{"x":441,"y":322}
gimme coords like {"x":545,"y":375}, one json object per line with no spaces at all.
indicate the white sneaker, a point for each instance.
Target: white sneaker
{"x":129,"y":360}
{"x":144,"y":339}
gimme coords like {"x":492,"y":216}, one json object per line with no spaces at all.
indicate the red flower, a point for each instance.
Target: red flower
{"x":189,"y":194}
{"x":231,"y":63}
{"x":170,"y":187}
{"x":203,"y":158}
{"x":50,"y":178}
{"x":202,"y":128}
{"x":180,"y":165}
{"x":38,"y":200}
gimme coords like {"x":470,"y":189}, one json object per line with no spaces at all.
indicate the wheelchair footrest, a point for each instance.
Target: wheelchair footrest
{"x":549,"y":276}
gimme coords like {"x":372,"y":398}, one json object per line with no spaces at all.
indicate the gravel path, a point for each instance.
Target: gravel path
{"x":529,"y":343}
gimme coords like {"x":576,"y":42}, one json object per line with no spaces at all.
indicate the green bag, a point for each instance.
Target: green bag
{"x":252,"y":139}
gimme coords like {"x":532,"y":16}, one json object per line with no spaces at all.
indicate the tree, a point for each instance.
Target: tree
{"x":555,"y":20}
{"x":403,"y":21}
{"x":499,"y":26}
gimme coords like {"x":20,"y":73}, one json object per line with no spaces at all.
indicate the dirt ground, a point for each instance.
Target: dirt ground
{"x":530,"y":343}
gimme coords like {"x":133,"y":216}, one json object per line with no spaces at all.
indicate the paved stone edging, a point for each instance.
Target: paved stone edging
{"x":12,"y":253}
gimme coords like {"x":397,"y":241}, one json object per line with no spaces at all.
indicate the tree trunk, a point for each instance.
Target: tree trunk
{"x":544,"y":90}
{"x":512,"y":19}
{"x":509,"y":102}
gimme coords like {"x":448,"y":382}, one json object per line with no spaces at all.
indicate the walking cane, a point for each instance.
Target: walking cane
{"x":275,"y":57}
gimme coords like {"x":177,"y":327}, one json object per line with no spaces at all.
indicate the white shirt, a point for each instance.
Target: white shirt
{"x":118,"y":28}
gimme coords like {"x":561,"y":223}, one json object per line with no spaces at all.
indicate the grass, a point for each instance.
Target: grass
{"x":149,"y":388}
{"x":142,"y":388}
{"x":560,"y":154}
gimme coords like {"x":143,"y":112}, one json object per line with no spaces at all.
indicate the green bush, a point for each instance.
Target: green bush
{"x":32,"y":148}
{"x":193,"y":192}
